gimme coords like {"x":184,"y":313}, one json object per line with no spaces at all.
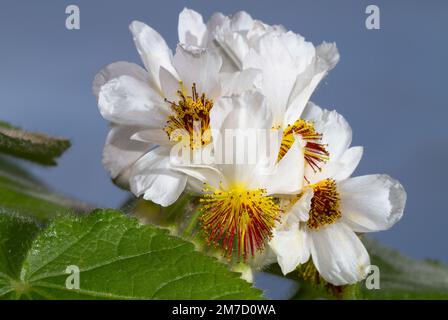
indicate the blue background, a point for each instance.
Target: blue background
{"x":390,"y":85}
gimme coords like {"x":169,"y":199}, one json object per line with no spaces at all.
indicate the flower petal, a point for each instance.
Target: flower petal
{"x":233,"y":47}
{"x":170,"y":85}
{"x":153,"y":50}
{"x":279,"y":68}
{"x":191,"y":28}
{"x":290,"y":247}
{"x":201,"y":175}
{"x":299,"y":212}
{"x":200,"y":67}
{"x":306,"y":82}
{"x":245,"y":111}
{"x":241,"y":21}
{"x":348,"y":161}
{"x":286,"y":177}
{"x":235,"y":122}
{"x":152,"y":177}
{"x":302,"y":51}
{"x":338,"y":254}
{"x":120,"y":152}
{"x":118,"y":69}
{"x":328,"y":55}
{"x":239,"y":81}
{"x":372,"y":202}
{"x":128,"y":101}
{"x":155,"y":136}
{"x":335,"y":130}
{"x":337,"y":170}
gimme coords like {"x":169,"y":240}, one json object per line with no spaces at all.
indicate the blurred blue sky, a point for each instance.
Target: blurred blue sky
{"x":390,"y":84}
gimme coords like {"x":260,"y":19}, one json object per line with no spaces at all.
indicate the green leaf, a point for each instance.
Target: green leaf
{"x":32,"y":146}
{"x":402,"y":277}
{"x":120,"y":259}
{"x":16,"y":235}
{"x":23,"y":194}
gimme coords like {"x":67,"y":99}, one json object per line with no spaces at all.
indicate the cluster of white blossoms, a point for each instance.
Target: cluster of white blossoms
{"x":296,"y":201}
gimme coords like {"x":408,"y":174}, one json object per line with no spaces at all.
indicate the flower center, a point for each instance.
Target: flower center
{"x":325,"y":204}
{"x":191,"y":116}
{"x":315,"y":152}
{"x":239,"y":218}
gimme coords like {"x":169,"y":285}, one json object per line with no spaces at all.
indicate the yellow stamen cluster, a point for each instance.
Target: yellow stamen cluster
{"x":314,"y":151}
{"x":325,"y":204}
{"x":191,"y":115}
{"x":238,"y":219}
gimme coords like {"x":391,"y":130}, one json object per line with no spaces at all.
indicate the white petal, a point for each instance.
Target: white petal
{"x":233,"y":47}
{"x":304,"y":87}
{"x":170,"y":85}
{"x":286,"y":176}
{"x":328,"y":170}
{"x":194,"y":186}
{"x":326,"y":58}
{"x":219,"y":113}
{"x":302,"y":51}
{"x":191,"y":28}
{"x":200,"y":67}
{"x":328,"y":55}
{"x":245,"y":111}
{"x":120,"y":152}
{"x":338,"y":254}
{"x":118,"y":69}
{"x":240,"y":81}
{"x":128,"y":101}
{"x":241,"y":21}
{"x":335,"y":130}
{"x":240,"y":116}
{"x":337,"y":170}
{"x":201,"y":176}
{"x":290,"y":247}
{"x":216,"y":21}
{"x":371,"y":203}
{"x":279,"y":71}
{"x":299,"y":212}
{"x":348,"y":161}
{"x":153,"y":178}
{"x":229,"y":36}
{"x":155,"y":136}
{"x":152,"y":48}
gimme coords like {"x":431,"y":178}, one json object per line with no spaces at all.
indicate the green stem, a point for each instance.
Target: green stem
{"x":192,"y":224}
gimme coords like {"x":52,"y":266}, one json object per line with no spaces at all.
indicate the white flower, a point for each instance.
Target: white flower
{"x":146,"y":106}
{"x":237,"y":73}
{"x":324,"y":221}
{"x":238,"y":201}
{"x":291,"y":67}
